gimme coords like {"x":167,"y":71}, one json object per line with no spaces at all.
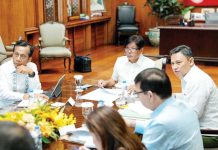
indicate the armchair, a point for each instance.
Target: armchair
{"x":126,"y":24}
{"x":5,"y":52}
{"x":52,"y":43}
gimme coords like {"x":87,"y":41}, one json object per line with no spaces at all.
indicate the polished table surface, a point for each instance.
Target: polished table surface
{"x":68,"y":90}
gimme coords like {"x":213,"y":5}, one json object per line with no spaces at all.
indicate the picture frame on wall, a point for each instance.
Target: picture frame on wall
{"x":97,"y":6}
{"x":201,"y":2}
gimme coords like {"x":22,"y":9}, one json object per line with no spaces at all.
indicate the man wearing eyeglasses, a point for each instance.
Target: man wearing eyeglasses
{"x":198,"y":89}
{"x":127,"y":67}
{"x":19,"y":76}
{"x":173,"y":124}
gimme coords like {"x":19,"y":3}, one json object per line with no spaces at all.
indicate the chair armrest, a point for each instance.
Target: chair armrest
{"x":8,"y":54}
{"x":67,"y":39}
{"x":40,"y":42}
{"x":9,"y":48}
{"x":209,"y":131}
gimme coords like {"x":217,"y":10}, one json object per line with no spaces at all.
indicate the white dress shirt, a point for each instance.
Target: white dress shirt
{"x":201,"y":93}
{"x":124,"y":70}
{"x":13,"y":85}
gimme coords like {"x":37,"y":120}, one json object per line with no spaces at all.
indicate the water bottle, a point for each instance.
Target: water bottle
{"x":37,"y":136}
{"x":122,"y":99}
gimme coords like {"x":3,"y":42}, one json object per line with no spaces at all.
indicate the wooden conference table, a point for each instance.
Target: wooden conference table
{"x":68,"y":90}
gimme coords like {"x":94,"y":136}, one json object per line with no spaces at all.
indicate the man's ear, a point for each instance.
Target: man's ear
{"x":191,"y":61}
{"x":141,"y":50}
{"x":150,"y":97}
{"x":30,"y":59}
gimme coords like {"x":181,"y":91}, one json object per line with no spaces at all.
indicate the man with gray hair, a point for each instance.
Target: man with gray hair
{"x":198,"y":89}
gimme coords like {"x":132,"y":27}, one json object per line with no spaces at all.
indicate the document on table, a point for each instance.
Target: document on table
{"x":77,"y":135}
{"x":136,"y":111}
{"x":102,"y":94}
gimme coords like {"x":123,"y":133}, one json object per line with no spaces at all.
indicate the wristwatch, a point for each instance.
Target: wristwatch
{"x":32,"y":75}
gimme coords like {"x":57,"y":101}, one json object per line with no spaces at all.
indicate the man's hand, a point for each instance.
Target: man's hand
{"x":26,"y":96}
{"x":24,"y":70}
{"x":101,"y":83}
{"x":41,"y":96}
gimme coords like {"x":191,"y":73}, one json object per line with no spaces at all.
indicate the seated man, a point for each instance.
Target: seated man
{"x":15,"y":137}
{"x":173,"y":124}
{"x":127,"y":67}
{"x":19,"y":76}
{"x":198,"y":89}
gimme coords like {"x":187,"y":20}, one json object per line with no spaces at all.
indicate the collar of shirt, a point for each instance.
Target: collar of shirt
{"x":189,"y":74}
{"x":158,"y":110}
{"x":139,"y":61}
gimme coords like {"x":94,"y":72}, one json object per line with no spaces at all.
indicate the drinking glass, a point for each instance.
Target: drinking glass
{"x":87,"y":108}
{"x":78,"y":101}
{"x":78,"y":81}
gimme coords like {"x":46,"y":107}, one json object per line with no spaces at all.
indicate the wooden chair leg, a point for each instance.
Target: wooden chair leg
{"x":64,"y":63}
{"x":69,"y":64}
{"x":40,"y":65}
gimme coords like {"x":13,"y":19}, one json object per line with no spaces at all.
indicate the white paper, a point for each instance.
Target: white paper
{"x":71,"y":101}
{"x":80,"y":135}
{"x":102,"y":94}
{"x":64,"y":130}
{"x":139,"y":108}
{"x":57,"y":104}
{"x":29,"y":103}
{"x":136,"y":111}
{"x":24,"y":103}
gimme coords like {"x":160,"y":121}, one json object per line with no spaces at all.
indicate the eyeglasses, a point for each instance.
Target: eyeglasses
{"x":22,"y":57}
{"x":136,"y":94}
{"x":130,"y":49}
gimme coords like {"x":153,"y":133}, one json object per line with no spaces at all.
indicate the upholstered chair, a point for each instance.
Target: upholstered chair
{"x":5,"y":52}
{"x":53,"y":42}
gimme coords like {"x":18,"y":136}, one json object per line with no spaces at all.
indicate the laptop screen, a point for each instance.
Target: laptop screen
{"x":57,"y":89}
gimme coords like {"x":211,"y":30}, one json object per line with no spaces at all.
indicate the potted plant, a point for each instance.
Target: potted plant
{"x":169,"y":10}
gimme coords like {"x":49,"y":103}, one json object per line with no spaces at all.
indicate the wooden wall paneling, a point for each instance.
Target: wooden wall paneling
{"x":3,"y":21}
{"x":88,"y":38}
{"x":64,"y":11}
{"x":12,"y":20}
{"x":30,"y":13}
{"x":106,"y":33}
{"x":93,"y":35}
{"x":79,"y":38}
{"x":100,"y":34}
{"x":40,"y":12}
{"x":111,"y":25}
{"x":84,"y":7}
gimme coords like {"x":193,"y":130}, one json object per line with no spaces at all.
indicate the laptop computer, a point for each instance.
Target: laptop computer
{"x":56,"y":91}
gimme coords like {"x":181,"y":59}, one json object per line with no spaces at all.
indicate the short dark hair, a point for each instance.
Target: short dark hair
{"x":24,"y":44}
{"x":137,"y":39}
{"x":154,"y":80}
{"x":185,"y":50}
{"x":15,"y":137}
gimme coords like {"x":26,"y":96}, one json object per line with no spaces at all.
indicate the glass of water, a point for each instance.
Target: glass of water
{"x":78,"y":81}
{"x":78,"y":101}
{"x":87,"y":108}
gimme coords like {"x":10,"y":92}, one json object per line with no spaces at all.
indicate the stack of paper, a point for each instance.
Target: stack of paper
{"x":135,"y":111}
{"x":102,"y":94}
